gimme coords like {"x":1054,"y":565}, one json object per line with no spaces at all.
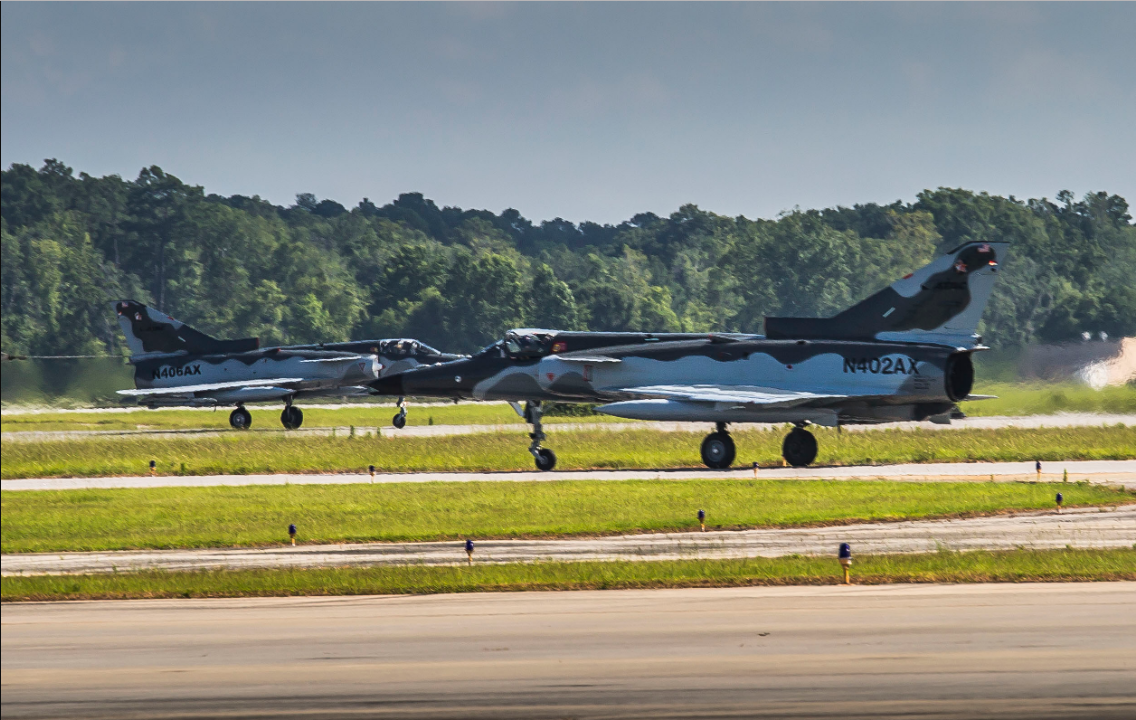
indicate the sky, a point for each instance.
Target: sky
{"x":589,"y":111}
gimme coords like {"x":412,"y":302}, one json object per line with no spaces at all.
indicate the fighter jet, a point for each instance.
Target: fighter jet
{"x":903,"y":353}
{"x":176,"y":365}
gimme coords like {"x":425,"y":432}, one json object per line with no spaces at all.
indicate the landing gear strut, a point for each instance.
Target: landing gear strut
{"x":718,"y":451}
{"x":240,"y":418}
{"x":399,"y":420}
{"x":545,"y":458}
{"x":799,"y":448}
{"x":292,"y":417}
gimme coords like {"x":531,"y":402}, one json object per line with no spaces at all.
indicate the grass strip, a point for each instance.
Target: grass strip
{"x":282,"y":453}
{"x":258,"y":515}
{"x":941,"y":567}
{"x":268,"y":416}
{"x":1018,"y":399}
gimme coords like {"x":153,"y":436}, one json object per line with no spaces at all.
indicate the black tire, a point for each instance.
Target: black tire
{"x":399,"y":421}
{"x":240,"y":419}
{"x":545,"y":459}
{"x":718,"y":451}
{"x":799,"y":448}
{"x":292,"y":417}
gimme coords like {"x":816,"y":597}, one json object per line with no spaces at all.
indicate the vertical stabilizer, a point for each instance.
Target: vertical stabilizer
{"x":941,"y":303}
{"x":152,"y":332}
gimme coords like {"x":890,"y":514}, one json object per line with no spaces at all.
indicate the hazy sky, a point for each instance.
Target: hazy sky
{"x":584,"y":111}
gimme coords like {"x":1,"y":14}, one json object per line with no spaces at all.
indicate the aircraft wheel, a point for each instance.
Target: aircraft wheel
{"x":240,"y":419}
{"x":399,"y":421}
{"x":545,"y":459}
{"x":292,"y":417}
{"x":718,"y":451}
{"x":799,"y":448}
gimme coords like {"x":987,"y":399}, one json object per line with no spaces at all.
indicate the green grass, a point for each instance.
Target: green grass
{"x":282,"y":453}
{"x":268,"y":417}
{"x":1012,"y":566}
{"x":1014,"y":399}
{"x":1050,"y":398}
{"x":258,"y":515}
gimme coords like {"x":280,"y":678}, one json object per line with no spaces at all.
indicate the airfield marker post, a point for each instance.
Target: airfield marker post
{"x":845,"y":555}
{"x":702,"y":519}
{"x":292,"y":533}
{"x":469,"y":551}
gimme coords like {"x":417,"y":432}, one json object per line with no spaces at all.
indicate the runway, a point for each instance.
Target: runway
{"x":1077,"y":528}
{"x":929,"y":651}
{"x":1108,"y":472}
{"x":552,"y":426}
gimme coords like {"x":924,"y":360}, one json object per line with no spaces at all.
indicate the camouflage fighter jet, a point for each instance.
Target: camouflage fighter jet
{"x":903,"y":353}
{"x":176,"y":365}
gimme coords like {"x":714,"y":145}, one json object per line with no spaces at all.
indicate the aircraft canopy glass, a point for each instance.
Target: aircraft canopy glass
{"x":526,"y":345}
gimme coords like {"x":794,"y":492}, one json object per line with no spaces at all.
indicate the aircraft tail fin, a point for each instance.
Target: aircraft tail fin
{"x":940,"y":303}
{"x":150,"y":332}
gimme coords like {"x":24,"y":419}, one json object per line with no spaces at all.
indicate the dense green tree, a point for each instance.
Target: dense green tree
{"x":457,"y":278}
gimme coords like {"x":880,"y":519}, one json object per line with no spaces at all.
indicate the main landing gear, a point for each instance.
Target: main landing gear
{"x":399,"y":420}
{"x":718,"y":451}
{"x":545,"y":459}
{"x":240,"y":418}
{"x":799,"y":448}
{"x":292,"y":417}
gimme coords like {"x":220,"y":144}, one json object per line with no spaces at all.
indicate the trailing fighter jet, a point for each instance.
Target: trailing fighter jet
{"x":176,"y":365}
{"x":903,"y":353}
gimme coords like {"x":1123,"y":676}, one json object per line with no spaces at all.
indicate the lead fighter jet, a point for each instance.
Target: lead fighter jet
{"x":903,"y":353}
{"x":176,"y":365}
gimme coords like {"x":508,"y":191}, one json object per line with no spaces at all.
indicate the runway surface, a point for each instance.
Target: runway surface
{"x":1077,"y":528}
{"x":928,"y":651}
{"x":1108,"y":472}
{"x":552,"y":426}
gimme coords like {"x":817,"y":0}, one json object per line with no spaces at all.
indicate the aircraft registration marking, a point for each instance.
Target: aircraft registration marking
{"x":169,"y":371}
{"x":881,"y":366}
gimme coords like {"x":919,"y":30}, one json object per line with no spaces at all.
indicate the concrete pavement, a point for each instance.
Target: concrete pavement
{"x":929,"y":651}
{"x":1107,"y":472}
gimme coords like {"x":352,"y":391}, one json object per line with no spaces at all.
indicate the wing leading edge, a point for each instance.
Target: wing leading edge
{"x":212,"y":387}
{"x":735,"y":394}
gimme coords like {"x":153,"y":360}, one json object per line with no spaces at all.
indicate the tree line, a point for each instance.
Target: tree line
{"x":317,"y":271}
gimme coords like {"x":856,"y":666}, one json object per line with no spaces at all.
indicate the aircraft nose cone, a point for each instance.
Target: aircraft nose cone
{"x":389,"y":385}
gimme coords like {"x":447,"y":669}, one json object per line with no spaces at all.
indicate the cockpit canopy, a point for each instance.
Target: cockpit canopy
{"x":404,"y":347}
{"x":526,"y":344}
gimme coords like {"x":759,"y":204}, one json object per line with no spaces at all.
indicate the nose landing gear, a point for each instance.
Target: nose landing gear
{"x":799,"y":448}
{"x":399,"y":420}
{"x":545,"y":459}
{"x":718,"y":450}
{"x":240,"y":418}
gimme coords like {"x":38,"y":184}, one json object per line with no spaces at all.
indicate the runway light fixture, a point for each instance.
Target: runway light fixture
{"x":845,"y":555}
